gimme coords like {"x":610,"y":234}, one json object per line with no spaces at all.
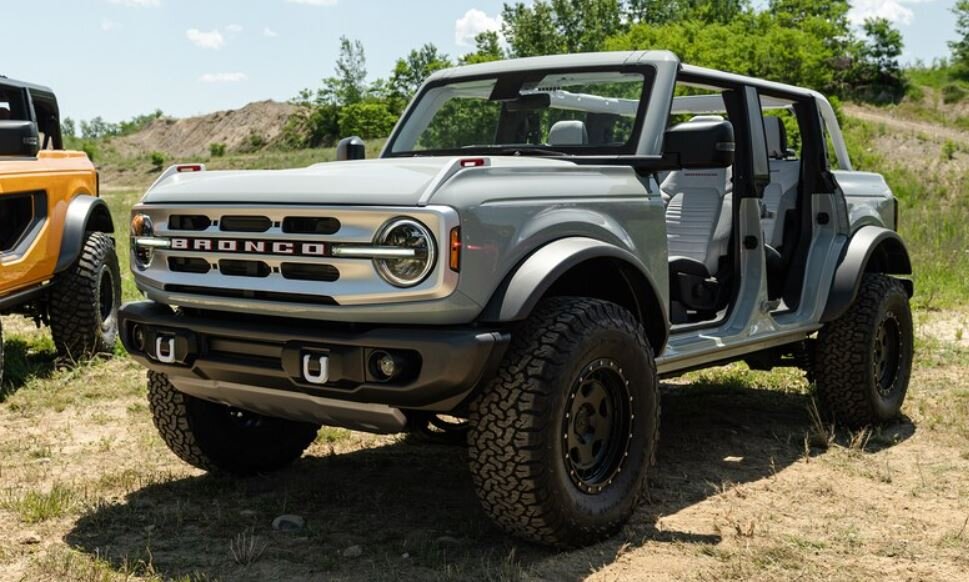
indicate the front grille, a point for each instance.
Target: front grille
{"x":310,"y":225}
{"x":193,"y":222}
{"x":250,"y":294}
{"x":234,"y":268}
{"x":310,"y":272}
{"x":245,"y":224}
{"x":188,"y":265}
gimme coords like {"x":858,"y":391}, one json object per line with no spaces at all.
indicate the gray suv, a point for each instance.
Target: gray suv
{"x":540,"y":241}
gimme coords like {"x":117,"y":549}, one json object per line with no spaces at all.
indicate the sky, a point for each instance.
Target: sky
{"x":120,"y":58}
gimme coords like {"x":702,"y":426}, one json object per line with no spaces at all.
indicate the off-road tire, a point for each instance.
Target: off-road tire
{"x":518,"y":452}
{"x":1,"y":355}
{"x":83,"y":318}
{"x":849,"y":383}
{"x":217,"y":438}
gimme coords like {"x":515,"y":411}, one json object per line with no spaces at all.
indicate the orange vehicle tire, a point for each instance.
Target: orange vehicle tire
{"x":85,"y":299}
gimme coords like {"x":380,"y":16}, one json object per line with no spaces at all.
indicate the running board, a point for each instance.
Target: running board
{"x":716,"y":350}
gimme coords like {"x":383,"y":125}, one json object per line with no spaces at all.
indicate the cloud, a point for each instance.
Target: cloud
{"x":109,"y":25}
{"x":136,"y":3}
{"x":223,"y":77}
{"x":268,"y":32}
{"x":473,"y":23}
{"x":212,"y":39}
{"x":234,"y":28}
{"x":313,"y":2}
{"x":897,"y":11}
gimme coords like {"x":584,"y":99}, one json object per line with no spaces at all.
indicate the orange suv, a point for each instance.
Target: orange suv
{"x":58,"y":263}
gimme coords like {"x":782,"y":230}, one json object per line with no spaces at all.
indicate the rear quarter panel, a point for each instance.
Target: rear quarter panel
{"x":869,"y":199}
{"x":63,"y":175}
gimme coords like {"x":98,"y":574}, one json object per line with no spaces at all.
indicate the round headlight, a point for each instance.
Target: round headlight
{"x":141,"y":227}
{"x":412,"y":268}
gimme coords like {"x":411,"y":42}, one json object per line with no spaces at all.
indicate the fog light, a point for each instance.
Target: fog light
{"x":385,"y":366}
{"x":138,"y":337}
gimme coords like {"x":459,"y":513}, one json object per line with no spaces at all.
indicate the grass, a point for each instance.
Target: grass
{"x":933,"y":214}
{"x":37,"y":506}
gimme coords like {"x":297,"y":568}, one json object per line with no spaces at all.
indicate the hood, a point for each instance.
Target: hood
{"x":377,"y":182}
{"x":390,"y":182}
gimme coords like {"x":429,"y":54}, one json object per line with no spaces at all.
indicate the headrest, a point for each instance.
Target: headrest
{"x":568,"y":133}
{"x":719,"y":179}
{"x":776,"y":137}
{"x":706,"y":118}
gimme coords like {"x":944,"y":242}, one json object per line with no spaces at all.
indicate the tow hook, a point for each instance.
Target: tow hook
{"x":319,"y":376}
{"x":165,"y":349}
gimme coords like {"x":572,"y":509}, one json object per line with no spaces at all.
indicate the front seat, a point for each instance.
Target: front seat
{"x":568,"y":133}
{"x":699,"y":220}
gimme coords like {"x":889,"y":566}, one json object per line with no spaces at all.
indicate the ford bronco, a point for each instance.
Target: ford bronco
{"x":540,"y":241}
{"x":57,"y":258}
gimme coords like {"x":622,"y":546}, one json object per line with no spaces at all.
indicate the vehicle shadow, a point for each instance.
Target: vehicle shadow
{"x":411,"y":508}
{"x":22,"y":363}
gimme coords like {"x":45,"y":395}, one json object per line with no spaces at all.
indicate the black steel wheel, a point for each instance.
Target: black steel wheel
{"x":598,"y":426}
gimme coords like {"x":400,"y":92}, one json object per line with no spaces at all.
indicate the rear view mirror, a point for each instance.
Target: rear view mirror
{"x":529,"y":102}
{"x":700,"y":144}
{"x":19,"y":139}
{"x":351,"y":148}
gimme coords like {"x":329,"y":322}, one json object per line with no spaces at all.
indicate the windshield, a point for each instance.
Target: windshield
{"x":579,"y":113}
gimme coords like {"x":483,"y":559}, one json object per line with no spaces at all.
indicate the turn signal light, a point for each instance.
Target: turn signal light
{"x":454,"y":256}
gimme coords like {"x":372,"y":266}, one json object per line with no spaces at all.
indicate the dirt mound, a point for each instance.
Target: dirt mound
{"x":251,"y":127}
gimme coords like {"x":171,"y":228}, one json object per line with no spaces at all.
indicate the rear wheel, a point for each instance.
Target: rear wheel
{"x":561,"y":440}
{"x":216,"y":437}
{"x":85,"y":299}
{"x":1,"y":355}
{"x":864,"y":358}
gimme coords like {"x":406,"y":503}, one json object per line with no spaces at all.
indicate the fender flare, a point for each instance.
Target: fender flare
{"x":85,"y":213}
{"x":521,"y":290}
{"x":872,"y":249}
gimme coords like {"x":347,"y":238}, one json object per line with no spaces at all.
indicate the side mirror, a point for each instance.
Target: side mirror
{"x":19,"y":139}
{"x":351,"y":148}
{"x":700,"y":144}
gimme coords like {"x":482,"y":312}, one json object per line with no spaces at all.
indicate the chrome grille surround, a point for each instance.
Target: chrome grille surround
{"x":358,"y":284}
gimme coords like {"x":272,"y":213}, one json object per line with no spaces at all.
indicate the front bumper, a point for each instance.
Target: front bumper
{"x":258,"y":363}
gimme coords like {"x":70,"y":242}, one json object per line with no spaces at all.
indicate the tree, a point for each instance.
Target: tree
{"x":960,"y":47}
{"x":98,"y":128}
{"x":410,"y":71}
{"x":350,"y":82}
{"x":487,"y":48}
{"x":68,"y":127}
{"x":560,"y":26}
{"x":879,"y":54}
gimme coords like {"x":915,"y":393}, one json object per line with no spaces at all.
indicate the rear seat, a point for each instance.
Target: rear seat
{"x":781,"y":194}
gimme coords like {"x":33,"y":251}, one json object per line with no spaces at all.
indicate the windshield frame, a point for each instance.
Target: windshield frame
{"x":521,"y":76}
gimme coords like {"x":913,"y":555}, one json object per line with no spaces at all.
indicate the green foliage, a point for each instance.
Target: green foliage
{"x":410,"y":71}
{"x":68,"y":128}
{"x":949,"y":149}
{"x":953,"y":93}
{"x":876,"y":73}
{"x":138,"y":122}
{"x":89,"y":148}
{"x":753,"y":45}
{"x":255,"y":141}
{"x":217,"y":150}
{"x":960,"y":46}
{"x":98,"y":128}
{"x":348,"y":85}
{"x":487,"y":48}
{"x":560,"y":26}
{"x":367,"y":119}
{"x":157,"y":160}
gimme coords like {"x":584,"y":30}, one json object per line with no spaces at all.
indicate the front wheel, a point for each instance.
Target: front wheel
{"x":561,"y":439}
{"x":864,"y":358}
{"x":215,"y":437}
